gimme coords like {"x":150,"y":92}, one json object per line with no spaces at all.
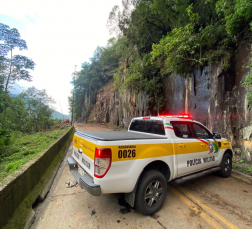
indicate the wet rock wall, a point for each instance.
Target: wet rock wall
{"x":118,"y":108}
{"x":216,"y":98}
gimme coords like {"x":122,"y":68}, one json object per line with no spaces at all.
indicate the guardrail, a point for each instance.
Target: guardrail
{"x":32,"y":181}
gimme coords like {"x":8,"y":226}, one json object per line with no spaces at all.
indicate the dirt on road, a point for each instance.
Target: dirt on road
{"x":207,"y":202}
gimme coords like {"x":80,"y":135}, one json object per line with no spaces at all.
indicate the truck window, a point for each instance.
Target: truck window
{"x":201,"y":132}
{"x":148,"y":126}
{"x":182,"y":129}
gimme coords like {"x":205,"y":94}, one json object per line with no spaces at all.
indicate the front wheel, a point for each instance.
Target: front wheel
{"x":151,"y":192}
{"x":226,"y":165}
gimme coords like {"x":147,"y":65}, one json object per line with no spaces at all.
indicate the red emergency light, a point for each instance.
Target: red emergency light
{"x":186,"y":116}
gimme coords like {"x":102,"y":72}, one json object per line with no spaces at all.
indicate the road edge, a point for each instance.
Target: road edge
{"x":241,"y":176}
{"x":20,"y":190}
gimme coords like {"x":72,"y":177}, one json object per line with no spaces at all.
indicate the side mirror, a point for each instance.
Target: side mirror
{"x":216,"y":136}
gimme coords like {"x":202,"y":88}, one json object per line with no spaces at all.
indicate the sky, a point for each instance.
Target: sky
{"x":60,"y":34}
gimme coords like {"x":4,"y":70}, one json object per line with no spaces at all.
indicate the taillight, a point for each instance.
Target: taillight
{"x":102,"y":162}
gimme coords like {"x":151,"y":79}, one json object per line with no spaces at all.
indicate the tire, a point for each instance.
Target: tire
{"x":226,"y":165}
{"x":151,"y":192}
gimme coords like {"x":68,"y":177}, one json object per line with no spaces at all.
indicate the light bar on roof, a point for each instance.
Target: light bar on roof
{"x":183,"y":116}
{"x":186,"y":116}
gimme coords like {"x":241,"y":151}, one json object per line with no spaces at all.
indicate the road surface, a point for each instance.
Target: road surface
{"x":207,"y":202}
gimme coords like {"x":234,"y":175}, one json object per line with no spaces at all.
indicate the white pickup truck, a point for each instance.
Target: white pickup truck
{"x":139,"y":162}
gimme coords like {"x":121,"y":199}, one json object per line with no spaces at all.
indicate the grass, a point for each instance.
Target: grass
{"x":23,"y":147}
{"x":240,"y":165}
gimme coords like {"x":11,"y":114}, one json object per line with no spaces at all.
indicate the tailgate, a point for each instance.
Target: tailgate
{"x":83,"y":153}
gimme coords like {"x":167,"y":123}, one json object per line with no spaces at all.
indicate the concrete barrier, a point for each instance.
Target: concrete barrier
{"x":32,"y":181}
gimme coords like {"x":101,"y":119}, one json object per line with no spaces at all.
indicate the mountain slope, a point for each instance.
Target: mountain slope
{"x":59,"y":115}
{"x":55,"y":114}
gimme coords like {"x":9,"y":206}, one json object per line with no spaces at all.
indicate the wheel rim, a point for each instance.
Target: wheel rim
{"x":153,"y":193}
{"x":227,"y":164}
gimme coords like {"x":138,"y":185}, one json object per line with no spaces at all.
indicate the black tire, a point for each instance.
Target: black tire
{"x":151,"y":192}
{"x":226,"y":165}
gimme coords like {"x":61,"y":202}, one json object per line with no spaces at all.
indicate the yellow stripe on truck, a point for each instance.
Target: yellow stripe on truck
{"x":142,"y":151}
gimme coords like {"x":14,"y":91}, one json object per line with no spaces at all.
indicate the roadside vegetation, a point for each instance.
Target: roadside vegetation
{"x":23,"y":147}
{"x":25,"y":119}
{"x":240,"y":165}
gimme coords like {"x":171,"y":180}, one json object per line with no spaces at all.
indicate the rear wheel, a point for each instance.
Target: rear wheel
{"x":151,"y":192}
{"x":226,"y":165}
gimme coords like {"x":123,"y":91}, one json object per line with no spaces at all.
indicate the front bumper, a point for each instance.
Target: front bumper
{"x":86,"y":181}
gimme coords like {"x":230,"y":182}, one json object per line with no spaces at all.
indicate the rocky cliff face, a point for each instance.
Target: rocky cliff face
{"x":212,"y":96}
{"x":118,"y":108}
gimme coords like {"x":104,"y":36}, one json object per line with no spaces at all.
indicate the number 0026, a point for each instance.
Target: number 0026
{"x":126,"y":153}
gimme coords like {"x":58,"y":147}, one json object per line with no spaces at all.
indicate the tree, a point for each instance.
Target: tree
{"x":12,"y":67}
{"x":38,"y":111}
{"x":237,"y":16}
{"x":15,"y":114}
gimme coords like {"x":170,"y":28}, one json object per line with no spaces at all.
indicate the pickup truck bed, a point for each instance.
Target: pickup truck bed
{"x":117,"y":135}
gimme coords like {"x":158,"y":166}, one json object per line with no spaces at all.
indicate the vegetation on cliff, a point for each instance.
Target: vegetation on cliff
{"x":160,"y":37}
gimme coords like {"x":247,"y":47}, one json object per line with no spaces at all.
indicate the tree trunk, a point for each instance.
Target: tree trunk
{"x":9,"y":76}
{"x":5,"y":94}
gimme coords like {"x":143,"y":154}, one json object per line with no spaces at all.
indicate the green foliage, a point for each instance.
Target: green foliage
{"x":240,"y":164}
{"x":162,"y":38}
{"x":4,"y":137}
{"x":22,"y":148}
{"x":181,"y":47}
{"x":29,"y":112}
{"x":93,"y":76}
{"x":237,"y":15}
{"x":248,"y":83}
{"x":12,"y":68}
{"x":193,"y":45}
{"x":37,"y":112}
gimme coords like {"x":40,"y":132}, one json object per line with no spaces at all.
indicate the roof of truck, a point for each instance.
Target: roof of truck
{"x":169,"y":117}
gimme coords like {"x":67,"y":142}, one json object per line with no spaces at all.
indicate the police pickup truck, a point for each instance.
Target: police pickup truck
{"x":139,"y":162}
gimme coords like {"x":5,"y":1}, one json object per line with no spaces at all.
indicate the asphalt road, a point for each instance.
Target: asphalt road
{"x":207,"y":202}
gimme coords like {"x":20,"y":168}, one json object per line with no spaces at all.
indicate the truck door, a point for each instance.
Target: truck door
{"x":210,"y":149}
{"x":185,"y":147}
{"x":193,"y":147}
